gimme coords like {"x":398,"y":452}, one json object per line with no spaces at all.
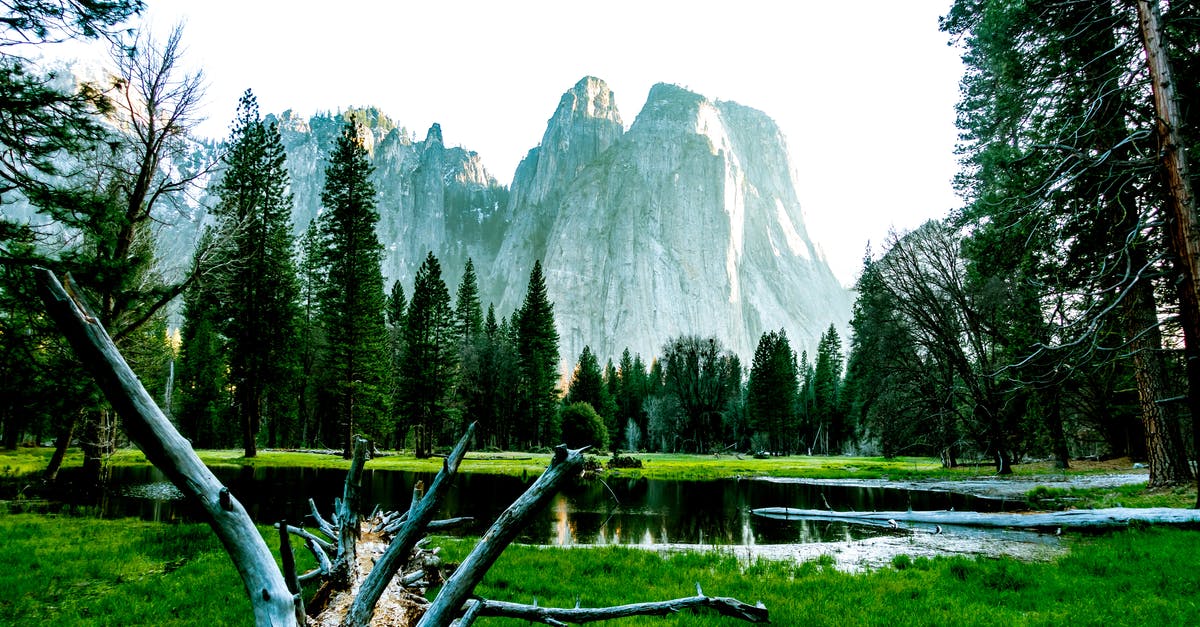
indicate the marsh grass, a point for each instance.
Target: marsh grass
{"x":1054,"y":498}
{"x":1139,"y":577}
{"x":65,"y":570}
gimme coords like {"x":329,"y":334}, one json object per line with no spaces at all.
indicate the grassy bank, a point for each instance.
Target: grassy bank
{"x":28,"y":462}
{"x":24,"y":461}
{"x":82,"y":571}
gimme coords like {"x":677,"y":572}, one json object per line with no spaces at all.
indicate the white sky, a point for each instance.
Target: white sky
{"x":864,"y":91}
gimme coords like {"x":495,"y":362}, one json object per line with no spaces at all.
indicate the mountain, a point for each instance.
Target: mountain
{"x":688,"y":223}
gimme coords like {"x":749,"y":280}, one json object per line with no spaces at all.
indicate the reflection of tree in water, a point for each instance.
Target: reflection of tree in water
{"x":615,"y":511}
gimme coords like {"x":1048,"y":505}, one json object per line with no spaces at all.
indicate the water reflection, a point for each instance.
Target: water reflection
{"x":616,"y":511}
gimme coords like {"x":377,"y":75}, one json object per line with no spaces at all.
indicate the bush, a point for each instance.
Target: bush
{"x":582,"y":426}
{"x":618,"y":461}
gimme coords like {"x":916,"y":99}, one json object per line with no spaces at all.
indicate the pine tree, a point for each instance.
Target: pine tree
{"x":395,"y":315}
{"x":468,"y":312}
{"x":311,"y":338}
{"x":773,"y":391}
{"x":257,"y":280}
{"x":588,"y":385}
{"x":431,"y":359}
{"x":202,"y":397}
{"x":351,"y":304}
{"x":537,"y":345}
{"x":827,"y":381}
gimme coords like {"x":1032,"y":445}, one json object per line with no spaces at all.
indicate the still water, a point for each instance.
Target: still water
{"x":613,"y":511}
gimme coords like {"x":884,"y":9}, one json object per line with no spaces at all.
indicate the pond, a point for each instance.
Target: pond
{"x":612,"y":511}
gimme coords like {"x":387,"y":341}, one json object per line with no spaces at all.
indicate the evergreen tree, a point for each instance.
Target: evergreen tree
{"x":827,"y":382}
{"x":773,"y":391}
{"x":395,"y":316}
{"x":257,"y":278}
{"x":537,"y":346}
{"x":431,"y":357}
{"x":351,"y":304}
{"x":311,"y":338}
{"x":202,"y":398}
{"x":1062,"y":171}
{"x":468,"y":312}
{"x":43,"y":123}
{"x":588,"y":385}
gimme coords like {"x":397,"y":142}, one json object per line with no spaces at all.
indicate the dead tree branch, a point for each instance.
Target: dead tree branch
{"x":170,"y":452}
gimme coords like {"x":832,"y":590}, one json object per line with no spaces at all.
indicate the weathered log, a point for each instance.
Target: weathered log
{"x":162,"y":444}
{"x":346,"y":513}
{"x":448,"y":523}
{"x":323,"y":525}
{"x":303,"y":533}
{"x":449,"y":601}
{"x":406,"y":537}
{"x":558,"y":616}
{"x":1075,"y":518}
{"x":290,"y":577}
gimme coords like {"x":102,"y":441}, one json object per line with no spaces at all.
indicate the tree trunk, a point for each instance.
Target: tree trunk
{"x":1058,"y":437}
{"x":1182,"y":221}
{"x":1168,"y":463}
{"x":61,"y":444}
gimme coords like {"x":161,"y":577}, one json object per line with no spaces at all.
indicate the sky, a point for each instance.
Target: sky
{"x":864,"y":92}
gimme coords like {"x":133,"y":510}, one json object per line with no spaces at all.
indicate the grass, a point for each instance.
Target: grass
{"x":1052,"y":498}
{"x":1141,"y":577}
{"x":132,"y":572}
{"x":24,"y":461}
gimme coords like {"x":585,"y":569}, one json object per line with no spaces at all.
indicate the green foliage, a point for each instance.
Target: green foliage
{"x":582,"y":426}
{"x":772,"y":392}
{"x":537,"y":346}
{"x":430,"y":359}
{"x":588,"y":386}
{"x":351,"y":300}
{"x":255,"y":284}
{"x":704,"y":379}
{"x":468,"y":312}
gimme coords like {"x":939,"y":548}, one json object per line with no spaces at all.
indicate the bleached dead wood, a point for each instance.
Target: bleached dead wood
{"x":561,"y":616}
{"x":1075,"y":518}
{"x":565,"y":465}
{"x":419,"y":514}
{"x":162,"y":444}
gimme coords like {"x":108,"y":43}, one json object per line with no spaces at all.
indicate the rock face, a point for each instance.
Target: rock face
{"x":429,"y":197}
{"x":687,"y":224}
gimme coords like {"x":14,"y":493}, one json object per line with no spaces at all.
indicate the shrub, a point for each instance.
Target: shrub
{"x":582,"y":426}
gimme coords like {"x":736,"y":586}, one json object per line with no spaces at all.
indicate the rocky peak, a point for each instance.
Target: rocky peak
{"x":434,"y":136}
{"x":585,"y":124}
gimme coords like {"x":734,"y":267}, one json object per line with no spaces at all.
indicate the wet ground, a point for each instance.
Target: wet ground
{"x":856,"y":555}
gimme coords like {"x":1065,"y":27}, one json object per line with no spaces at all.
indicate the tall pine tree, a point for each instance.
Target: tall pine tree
{"x":537,"y":346}
{"x":430,"y":359}
{"x":351,"y":306}
{"x":257,"y":280}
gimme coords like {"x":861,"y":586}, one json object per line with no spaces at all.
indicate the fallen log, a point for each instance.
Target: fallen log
{"x":560,"y":616}
{"x":1112,"y":517}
